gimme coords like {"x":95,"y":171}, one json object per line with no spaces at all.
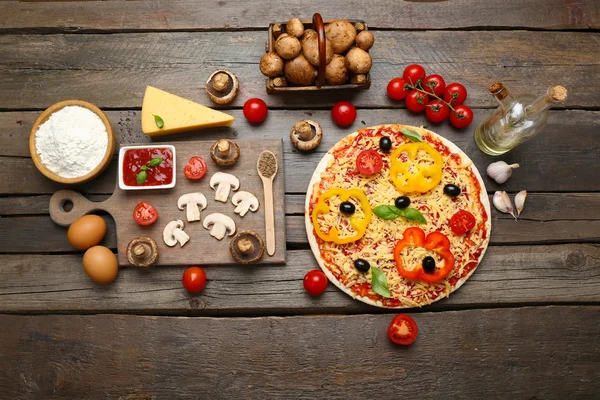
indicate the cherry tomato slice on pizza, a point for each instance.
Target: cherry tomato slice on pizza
{"x":462,"y":222}
{"x":195,"y":168}
{"x":144,"y":214}
{"x":369,"y":162}
{"x":403,"y":330}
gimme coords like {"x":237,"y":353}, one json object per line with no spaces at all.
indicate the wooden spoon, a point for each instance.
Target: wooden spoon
{"x":267,"y":169}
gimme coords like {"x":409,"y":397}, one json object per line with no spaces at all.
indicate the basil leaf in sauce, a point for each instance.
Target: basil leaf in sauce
{"x":159,"y":121}
{"x":412,"y":135}
{"x":155,"y":162}
{"x":141,"y":177}
{"x":387,"y":212}
{"x":379,"y":282}
{"x":413,"y":214}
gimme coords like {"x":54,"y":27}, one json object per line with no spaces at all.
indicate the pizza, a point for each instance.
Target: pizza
{"x":397,"y":222}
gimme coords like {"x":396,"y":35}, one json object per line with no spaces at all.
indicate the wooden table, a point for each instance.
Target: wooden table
{"x":526,"y":325}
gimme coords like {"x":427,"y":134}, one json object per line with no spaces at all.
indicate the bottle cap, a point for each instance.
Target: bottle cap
{"x":498,"y":90}
{"x":558,"y":93}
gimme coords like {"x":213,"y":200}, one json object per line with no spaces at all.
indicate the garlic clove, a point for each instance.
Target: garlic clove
{"x":520,"y":201}
{"x":500,"y":171}
{"x":502,"y":203}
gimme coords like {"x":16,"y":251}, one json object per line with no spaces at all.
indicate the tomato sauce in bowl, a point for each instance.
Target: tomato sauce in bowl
{"x":146,"y":167}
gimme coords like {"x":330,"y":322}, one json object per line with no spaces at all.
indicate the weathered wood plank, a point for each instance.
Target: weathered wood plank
{"x":113,"y":70}
{"x":540,"y":206}
{"x":508,"y":275}
{"x":100,"y":16}
{"x":548,"y":163}
{"x":501,"y":353}
{"x":547,"y":218}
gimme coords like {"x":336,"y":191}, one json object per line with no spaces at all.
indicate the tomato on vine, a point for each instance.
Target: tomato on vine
{"x":461,"y":117}
{"x":434,"y":84}
{"x":397,"y":89}
{"x":455,"y":94}
{"x":416,"y":101}
{"x":414,"y":74}
{"x":437,"y":111}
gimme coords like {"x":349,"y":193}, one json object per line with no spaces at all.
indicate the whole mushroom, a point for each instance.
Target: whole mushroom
{"x":225,"y":152}
{"x":222,"y":86}
{"x":308,"y":33}
{"x":336,"y":72}
{"x":342,"y":34}
{"x":358,"y":61}
{"x":365,"y":40}
{"x":306,"y":135}
{"x":287,"y":46}
{"x":310,"y":49}
{"x":271,"y":65}
{"x":294,"y":27}
{"x":247,"y":247}
{"x":299,"y":71}
{"x":142,"y":252}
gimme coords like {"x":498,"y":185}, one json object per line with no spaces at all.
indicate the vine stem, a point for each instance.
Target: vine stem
{"x":429,"y":94}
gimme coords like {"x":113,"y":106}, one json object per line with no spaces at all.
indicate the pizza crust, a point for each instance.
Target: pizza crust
{"x":316,"y":178}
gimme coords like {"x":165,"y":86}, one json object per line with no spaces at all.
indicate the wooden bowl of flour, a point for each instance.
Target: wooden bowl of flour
{"x":86,"y":175}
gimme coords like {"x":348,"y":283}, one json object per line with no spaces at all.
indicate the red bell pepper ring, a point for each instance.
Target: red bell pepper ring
{"x":435,"y":241}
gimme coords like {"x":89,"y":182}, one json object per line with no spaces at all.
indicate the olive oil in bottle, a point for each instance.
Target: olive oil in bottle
{"x":517,"y":120}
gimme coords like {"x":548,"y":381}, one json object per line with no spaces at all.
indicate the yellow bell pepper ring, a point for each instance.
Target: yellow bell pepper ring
{"x":359,"y":224}
{"x":410,"y":176}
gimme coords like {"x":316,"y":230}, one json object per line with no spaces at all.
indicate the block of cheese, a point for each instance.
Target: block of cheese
{"x":178,"y":114}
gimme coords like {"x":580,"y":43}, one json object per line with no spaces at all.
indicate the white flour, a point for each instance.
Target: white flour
{"x":72,"y":142}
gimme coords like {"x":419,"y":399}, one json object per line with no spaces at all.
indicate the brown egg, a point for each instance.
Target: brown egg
{"x":100,"y":264}
{"x":86,"y":232}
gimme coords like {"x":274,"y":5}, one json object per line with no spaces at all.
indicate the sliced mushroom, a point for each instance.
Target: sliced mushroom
{"x":174,"y":233}
{"x":142,"y":252}
{"x":225,"y":183}
{"x":245,"y":201}
{"x":221,"y":225}
{"x":222,"y":86}
{"x":247,"y":247}
{"x":193,"y":203}
{"x":225,"y":152}
{"x":306,"y":135}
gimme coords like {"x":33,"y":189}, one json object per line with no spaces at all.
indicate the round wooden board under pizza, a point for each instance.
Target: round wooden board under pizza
{"x":417,"y":254}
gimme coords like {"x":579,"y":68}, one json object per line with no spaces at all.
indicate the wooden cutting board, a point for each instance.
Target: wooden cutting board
{"x":202,"y":248}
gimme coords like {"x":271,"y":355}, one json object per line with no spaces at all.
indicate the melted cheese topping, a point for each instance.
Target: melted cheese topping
{"x":377,"y":245}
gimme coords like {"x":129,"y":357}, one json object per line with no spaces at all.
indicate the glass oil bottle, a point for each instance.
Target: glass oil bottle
{"x":517,"y":120}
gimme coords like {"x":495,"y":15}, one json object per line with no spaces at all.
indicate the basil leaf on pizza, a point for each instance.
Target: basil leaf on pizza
{"x":389,"y":212}
{"x":412,"y":135}
{"x":379,"y":282}
{"x":413,"y":214}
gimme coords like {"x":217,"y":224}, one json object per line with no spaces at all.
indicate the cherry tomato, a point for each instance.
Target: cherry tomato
{"x":315,"y":282}
{"x":461,"y":117}
{"x":369,"y":162}
{"x":343,"y":113}
{"x":403,"y":330}
{"x":437,"y":111}
{"x":434,"y":84}
{"x":144,"y":214}
{"x":416,"y":101}
{"x":461,"y":222}
{"x":255,"y":110}
{"x":413,"y":74}
{"x":455,"y":94}
{"x":194,"y":279}
{"x":195,"y":168}
{"x":397,"y":89}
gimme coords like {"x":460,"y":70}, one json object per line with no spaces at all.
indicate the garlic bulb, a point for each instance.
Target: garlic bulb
{"x":500,"y":171}
{"x":502,"y":203}
{"x":520,"y":201}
